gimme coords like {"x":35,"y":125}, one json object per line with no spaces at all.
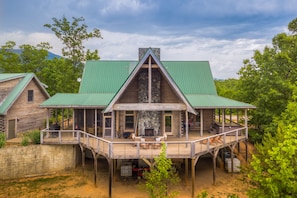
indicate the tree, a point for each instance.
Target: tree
{"x":161,"y":176}
{"x":9,"y":60}
{"x":273,"y":170}
{"x":266,"y":80}
{"x":58,"y":74}
{"x":72,"y":34}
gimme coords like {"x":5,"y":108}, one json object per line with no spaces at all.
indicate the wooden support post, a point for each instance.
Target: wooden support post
{"x":110,"y":162}
{"x":114,"y":170}
{"x":193,"y":177}
{"x":246,"y":151}
{"x":232,"y":157}
{"x":194,"y":162}
{"x":214,"y":160}
{"x":83,"y":161}
{"x":186,"y":170}
{"x":149,"y":163}
{"x":95,"y":169}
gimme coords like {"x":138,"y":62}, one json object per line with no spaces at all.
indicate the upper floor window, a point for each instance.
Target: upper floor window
{"x":30,"y":95}
{"x":129,"y":120}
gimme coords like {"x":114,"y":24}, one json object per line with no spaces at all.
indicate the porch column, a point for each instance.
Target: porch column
{"x":201,"y":122}
{"x":85,"y":120}
{"x":187,"y":126}
{"x":62,"y":124}
{"x":73,"y":124}
{"x":103,"y":125}
{"x":223,"y":121}
{"x":230,"y":124}
{"x":245,"y":124}
{"x":112,"y":124}
{"x":96,"y":122}
{"x":47,"y":119}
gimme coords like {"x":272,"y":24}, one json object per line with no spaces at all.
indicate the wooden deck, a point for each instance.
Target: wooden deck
{"x":120,"y":148}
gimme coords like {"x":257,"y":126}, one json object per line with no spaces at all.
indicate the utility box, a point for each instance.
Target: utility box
{"x":236,"y":165}
{"x":126,"y":170}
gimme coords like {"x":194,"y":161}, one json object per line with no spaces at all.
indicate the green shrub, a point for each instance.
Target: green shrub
{"x":25,"y":141}
{"x":2,"y":139}
{"x":34,"y":137}
{"x":203,"y":194}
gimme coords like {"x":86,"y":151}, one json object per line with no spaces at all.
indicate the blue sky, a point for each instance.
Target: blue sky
{"x":224,"y":32}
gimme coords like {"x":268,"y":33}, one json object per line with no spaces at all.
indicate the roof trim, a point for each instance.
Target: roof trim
{"x":19,"y":89}
{"x":134,"y":72}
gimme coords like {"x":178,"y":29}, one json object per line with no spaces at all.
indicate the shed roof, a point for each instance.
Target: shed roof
{"x":11,"y":97}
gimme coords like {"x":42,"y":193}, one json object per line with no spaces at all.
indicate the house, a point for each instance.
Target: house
{"x":20,"y":97}
{"x":120,"y":102}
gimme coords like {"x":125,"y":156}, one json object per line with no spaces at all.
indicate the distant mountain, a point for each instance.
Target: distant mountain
{"x":49,"y":57}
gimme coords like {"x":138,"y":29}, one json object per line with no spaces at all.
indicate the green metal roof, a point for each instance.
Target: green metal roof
{"x":103,"y":79}
{"x":215,"y":101}
{"x":192,"y":77}
{"x":17,"y":90}
{"x":105,"y":76}
{"x":62,"y":100}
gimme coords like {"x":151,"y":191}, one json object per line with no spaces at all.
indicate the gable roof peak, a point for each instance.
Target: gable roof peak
{"x":143,"y":51}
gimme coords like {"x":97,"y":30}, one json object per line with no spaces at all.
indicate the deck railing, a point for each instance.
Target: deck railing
{"x":129,"y":149}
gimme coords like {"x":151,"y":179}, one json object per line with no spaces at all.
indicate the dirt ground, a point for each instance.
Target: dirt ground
{"x":76,"y":184}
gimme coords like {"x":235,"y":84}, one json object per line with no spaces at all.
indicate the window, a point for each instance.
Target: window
{"x":129,"y":120}
{"x":30,"y":95}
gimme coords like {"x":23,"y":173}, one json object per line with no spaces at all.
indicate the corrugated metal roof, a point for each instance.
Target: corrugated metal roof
{"x":17,"y":90}
{"x":192,"y":77}
{"x":61,"y":100}
{"x":10,"y":76}
{"x":105,"y":76}
{"x":214,"y":101}
{"x":103,"y":79}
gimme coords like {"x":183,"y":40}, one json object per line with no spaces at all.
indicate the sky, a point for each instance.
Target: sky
{"x":223,"y":32}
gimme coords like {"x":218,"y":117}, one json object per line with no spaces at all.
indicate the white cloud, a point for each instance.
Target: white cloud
{"x":31,"y":38}
{"x":127,"y":6}
{"x":225,"y":56}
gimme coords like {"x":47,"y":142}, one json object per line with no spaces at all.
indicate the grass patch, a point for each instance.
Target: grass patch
{"x":46,"y":187}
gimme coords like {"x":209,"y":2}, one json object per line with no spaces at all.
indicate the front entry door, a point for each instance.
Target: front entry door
{"x":11,"y":129}
{"x":168,"y":123}
{"x":107,"y":126}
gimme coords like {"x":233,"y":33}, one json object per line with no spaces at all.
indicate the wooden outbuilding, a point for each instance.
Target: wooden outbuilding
{"x":20,"y":97}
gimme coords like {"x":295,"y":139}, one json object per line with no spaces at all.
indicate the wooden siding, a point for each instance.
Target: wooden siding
{"x":2,"y":123}
{"x":168,"y":95}
{"x":131,"y":93}
{"x":10,"y":83}
{"x":28,"y":114}
{"x":208,"y":119}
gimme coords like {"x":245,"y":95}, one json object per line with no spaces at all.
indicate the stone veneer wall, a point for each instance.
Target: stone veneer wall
{"x":22,"y":161}
{"x":149,"y":119}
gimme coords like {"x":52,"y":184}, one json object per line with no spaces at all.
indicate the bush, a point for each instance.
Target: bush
{"x":25,"y":141}
{"x":2,"y":139}
{"x":34,"y":137}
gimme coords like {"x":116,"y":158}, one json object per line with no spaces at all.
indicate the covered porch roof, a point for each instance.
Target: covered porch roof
{"x":101,"y":100}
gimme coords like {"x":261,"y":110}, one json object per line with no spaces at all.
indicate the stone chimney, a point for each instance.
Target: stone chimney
{"x":142,"y":51}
